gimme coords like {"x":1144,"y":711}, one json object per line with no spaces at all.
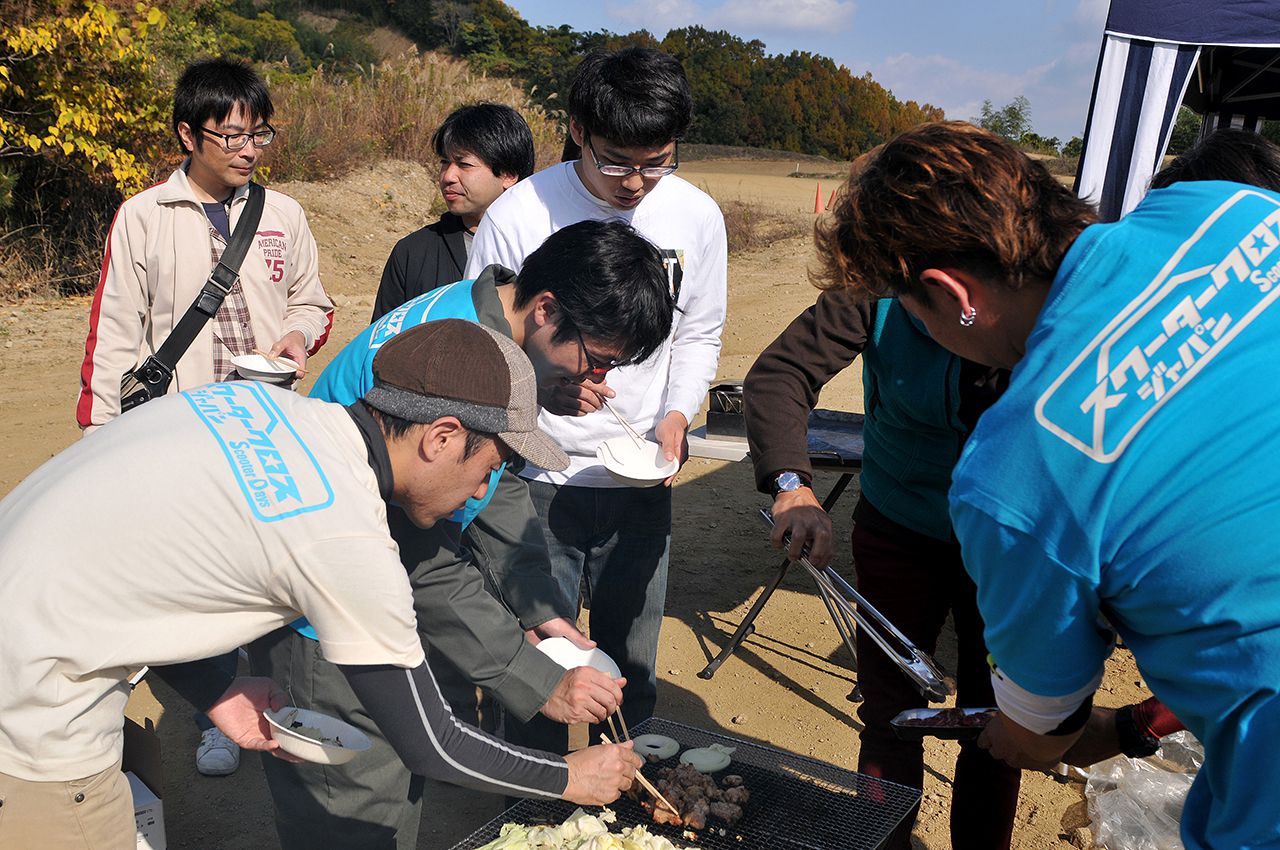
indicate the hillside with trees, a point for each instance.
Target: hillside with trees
{"x":742,"y":95}
{"x":85,"y":88}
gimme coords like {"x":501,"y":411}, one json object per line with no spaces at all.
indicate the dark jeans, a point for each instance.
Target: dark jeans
{"x":914,"y":581}
{"x":610,"y":548}
{"x":227,"y":664}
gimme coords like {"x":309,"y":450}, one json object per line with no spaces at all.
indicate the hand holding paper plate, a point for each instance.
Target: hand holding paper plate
{"x":568,"y":655}
{"x":256,"y":367}
{"x":636,"y":463}
{"x":316,"y":737}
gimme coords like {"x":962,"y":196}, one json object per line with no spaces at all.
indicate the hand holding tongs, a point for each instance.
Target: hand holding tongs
{"x":916,"y":665}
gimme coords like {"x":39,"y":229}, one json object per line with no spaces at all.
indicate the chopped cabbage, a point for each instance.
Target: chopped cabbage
{"x":580,"y":831}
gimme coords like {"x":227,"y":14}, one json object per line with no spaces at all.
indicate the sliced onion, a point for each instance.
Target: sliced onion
{"x":707,"y":759}
{"x":656,"y":745}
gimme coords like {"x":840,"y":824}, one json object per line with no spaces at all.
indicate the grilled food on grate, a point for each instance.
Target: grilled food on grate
{"x":698,"y":798}
{"x":797,"y":803}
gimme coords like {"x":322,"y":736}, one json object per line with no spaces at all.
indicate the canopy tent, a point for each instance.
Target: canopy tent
{"x":1220,"y":57}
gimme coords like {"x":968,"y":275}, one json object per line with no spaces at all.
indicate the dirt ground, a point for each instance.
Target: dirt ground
{"x":786,"y":687}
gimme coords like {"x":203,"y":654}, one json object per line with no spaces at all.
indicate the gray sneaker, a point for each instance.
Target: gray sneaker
{"x":216,"y":755}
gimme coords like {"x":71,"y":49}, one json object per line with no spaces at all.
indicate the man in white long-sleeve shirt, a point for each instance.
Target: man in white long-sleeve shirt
{"x":627,"y":112}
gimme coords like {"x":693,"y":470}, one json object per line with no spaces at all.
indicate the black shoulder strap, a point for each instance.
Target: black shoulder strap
{"x":221,"y":279}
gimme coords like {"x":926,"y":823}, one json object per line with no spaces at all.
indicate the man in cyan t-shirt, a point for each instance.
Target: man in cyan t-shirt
{"x":594,"y":291}
{"x":1126,"y":478}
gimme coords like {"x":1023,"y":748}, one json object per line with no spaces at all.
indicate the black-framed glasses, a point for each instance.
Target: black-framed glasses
{"x":610,"y":169}
{"x":237,"y":141}
{"x":596,"y":370}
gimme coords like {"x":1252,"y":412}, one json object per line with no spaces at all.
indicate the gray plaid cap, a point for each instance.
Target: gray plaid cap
{"x":452,"y":367}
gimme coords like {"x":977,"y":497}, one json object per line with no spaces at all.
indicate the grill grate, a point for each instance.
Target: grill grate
{"x":796,"y":803}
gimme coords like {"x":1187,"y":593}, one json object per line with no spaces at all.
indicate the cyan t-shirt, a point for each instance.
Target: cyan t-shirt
{"x":350,"y":375}
{"x":1131,"y":471}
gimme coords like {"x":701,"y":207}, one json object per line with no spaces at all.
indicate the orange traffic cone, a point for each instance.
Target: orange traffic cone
{"x":817,"y":200}
{"x":832,"y":199}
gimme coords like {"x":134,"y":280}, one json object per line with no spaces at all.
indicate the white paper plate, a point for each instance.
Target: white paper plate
{"x":258,"y":368}
{"x":568,"y":655}
{"x":641,"y":465}
{"x":305,"y":747}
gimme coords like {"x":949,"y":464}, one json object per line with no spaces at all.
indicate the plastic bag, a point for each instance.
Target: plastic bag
{"x":1136,"y":804}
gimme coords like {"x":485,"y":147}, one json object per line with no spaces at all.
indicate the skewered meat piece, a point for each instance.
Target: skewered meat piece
{"x":733,"y":780}
{"x":661,"y":814}
{"x":736,"y":796}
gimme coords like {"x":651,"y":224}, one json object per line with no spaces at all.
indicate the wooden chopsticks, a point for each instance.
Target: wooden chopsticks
{"x":635,"y":435}
{"x":648,"y":786}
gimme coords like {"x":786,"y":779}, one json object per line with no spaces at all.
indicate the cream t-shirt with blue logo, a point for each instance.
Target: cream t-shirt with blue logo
{"x":191,"y":526}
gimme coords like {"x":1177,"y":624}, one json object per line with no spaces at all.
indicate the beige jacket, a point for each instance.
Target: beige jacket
{"x":156,"y":261}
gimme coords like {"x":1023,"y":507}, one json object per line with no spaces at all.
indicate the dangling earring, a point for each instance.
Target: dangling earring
{"x":967,"y":317}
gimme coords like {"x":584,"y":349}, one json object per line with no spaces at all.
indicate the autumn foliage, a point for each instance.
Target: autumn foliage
{"x":76,"y":88}
{"x":86,"y":88}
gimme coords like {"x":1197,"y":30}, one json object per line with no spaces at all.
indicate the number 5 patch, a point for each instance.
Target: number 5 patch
{"x":275,"y":250}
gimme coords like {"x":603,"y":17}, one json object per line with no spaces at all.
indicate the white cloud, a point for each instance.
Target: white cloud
{"x":741,"y":17}
{"x":1092,"y":14}
{"x":1058,"y":89}
{"x":796,"y":15}
{"x":657,"y":16}
{"x":951,"y":84}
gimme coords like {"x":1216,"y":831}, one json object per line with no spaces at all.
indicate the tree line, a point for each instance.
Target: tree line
{"x":798,"y":101}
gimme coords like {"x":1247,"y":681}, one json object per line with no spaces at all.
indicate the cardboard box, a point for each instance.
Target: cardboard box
{"x":143,"y":767}
{"x":148,"y":815}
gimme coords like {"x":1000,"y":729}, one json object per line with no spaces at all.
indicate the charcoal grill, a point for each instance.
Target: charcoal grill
{"x":796,"y":803}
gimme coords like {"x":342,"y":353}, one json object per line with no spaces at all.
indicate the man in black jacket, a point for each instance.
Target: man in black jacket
{"x":484,"y":149}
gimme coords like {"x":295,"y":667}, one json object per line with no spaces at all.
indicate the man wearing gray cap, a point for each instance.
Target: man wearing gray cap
{"x":221,"y":514}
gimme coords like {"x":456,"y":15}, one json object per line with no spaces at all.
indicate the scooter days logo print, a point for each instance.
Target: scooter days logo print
{"x":399,"y":318}
{"x":277,"y":472}
{"x":1200,"y":302}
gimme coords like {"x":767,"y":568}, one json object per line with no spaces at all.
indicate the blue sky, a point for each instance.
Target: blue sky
{"x":951,"y":54}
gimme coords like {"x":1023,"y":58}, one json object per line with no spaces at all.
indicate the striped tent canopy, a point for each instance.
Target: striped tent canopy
{"x":1219,"y":57}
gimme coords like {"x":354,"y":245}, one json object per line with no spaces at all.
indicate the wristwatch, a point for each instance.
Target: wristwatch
{"x":787,"y":481}
{"x":1135,"y":741}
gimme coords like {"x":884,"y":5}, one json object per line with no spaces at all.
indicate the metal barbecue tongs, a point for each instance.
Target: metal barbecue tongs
{"x":915,"y":664}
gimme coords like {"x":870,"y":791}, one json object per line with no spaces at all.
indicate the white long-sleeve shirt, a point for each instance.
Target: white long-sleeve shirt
{"x":681,"y":220}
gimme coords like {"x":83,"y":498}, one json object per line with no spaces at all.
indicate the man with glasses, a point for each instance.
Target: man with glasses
{"x":161,"y":247}
{"x":594,"y":296}
{"x":627,"y":112}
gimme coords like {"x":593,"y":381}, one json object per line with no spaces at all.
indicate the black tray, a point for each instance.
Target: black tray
{"x":796,"y":803}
